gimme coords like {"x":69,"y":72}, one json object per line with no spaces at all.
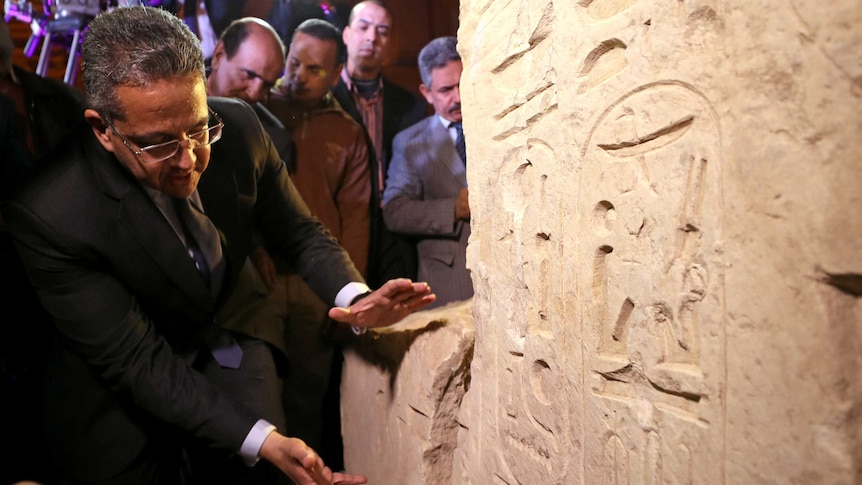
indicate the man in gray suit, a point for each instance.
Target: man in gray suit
{"x":426,"y":186}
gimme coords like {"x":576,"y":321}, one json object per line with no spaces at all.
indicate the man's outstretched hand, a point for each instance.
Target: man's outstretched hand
{"x":387,"y":305}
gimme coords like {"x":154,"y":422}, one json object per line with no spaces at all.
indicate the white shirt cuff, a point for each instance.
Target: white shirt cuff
{"x":349,"y":292}
{"x":250,"y":449}
{"x":346,"y":296}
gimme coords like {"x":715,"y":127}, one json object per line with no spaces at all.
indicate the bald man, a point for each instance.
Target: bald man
{"x":246,"y":62}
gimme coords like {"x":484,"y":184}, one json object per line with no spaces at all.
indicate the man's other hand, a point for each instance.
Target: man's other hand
{"x":462,"y":205}
{"x":302,"y":464}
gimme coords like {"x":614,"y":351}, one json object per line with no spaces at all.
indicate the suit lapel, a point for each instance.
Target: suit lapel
{"x":448,"y":158}
{"x":220,"y":198}
{"x":139,"y":217}
{"x":344,"y":98}
{"x":142,"y":219}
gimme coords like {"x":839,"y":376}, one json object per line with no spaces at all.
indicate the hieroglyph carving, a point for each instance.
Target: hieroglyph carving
{"x":653,"y":319}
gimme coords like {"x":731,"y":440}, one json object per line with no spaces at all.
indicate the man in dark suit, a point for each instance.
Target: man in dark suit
{"x":136,"y":256}
{"x":426,"y":190}
{"x":35,"y":114}
{"x":384,"y":109}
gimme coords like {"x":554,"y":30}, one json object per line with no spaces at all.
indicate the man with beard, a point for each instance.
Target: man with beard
{"x":426,"y":188}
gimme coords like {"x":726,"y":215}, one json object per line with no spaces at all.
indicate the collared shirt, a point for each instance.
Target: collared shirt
{"x":453,"y":134}
{"x":372,"y":117}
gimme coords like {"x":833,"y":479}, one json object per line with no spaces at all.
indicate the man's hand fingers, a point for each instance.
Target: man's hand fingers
{"x":348,"y":479}
{"x":406,"y":292}
{"x":389,"y":304}
{"x":343,"y":315}
{"x":419,"y":301}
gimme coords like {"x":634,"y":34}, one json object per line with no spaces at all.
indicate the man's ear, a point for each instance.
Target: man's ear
{"x":218,"y":54}
{"x":100,"y":129}
{"x":338,"y":68}
{"x":426,"y":92}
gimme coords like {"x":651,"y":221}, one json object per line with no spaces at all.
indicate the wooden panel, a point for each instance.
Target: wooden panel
{"x":416,"y":23}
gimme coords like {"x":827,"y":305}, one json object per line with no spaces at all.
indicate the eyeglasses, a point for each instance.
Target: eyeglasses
{"x":164,"y":151}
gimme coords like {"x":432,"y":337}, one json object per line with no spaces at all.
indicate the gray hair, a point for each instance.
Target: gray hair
{"x":437,"y":54}
{"x":135,"y":47}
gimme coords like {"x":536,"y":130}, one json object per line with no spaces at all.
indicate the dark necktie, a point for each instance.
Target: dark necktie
{"x":204,"y":246}
{"x":460,"y":144}
{"x":202,"y":239}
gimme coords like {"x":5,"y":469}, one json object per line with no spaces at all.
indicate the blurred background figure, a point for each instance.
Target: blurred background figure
{"x":383,"y":108}
{"x":209,"y":18}
{"x":426,"y":189}
{"x":35,"y":114}
{"x":246,"y":63}
{"x":331,"y":173}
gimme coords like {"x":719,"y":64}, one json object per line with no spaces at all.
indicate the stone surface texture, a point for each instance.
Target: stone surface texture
{"x":666,"y":254}
{"x":401,"y":393}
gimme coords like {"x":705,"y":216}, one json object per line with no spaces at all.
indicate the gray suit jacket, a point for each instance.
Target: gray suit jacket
{"x":422,"y":185}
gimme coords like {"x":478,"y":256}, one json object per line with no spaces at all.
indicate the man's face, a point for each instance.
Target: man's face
{"x":310,"y":69}
{"x":367,"y":37}
{"x":166,"y":110}
{"x":251,"y":72}
{"x":444,"y":93}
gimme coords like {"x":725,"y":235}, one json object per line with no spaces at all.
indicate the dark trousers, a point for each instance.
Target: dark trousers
{"x":257,"y":386}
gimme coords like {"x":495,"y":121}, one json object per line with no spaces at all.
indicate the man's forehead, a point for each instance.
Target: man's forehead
{"x":310,"y":49}
{"x":371,"y":14}
{"x":263,"y":62}
{"x":259,"y":42}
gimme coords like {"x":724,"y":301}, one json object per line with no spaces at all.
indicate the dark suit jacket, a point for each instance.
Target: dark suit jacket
{"x":53,"y":108}
{"x":390,"y":256}
{"x":128,"y":304}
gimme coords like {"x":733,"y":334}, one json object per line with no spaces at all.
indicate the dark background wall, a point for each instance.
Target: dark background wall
{"x":416,"y":23}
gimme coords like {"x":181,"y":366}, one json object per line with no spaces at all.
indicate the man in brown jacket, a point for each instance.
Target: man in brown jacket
{"x":331,"y":172}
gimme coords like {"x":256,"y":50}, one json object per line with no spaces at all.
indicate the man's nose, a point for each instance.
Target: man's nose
{"x":185,"y":156}
{"x":456,"y":93}
{"x":298,"y":74}
{"x":256,"y":90}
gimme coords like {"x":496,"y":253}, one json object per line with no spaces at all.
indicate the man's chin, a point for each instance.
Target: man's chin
{"x":369,"y":63}
{"x":179,"y":189}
